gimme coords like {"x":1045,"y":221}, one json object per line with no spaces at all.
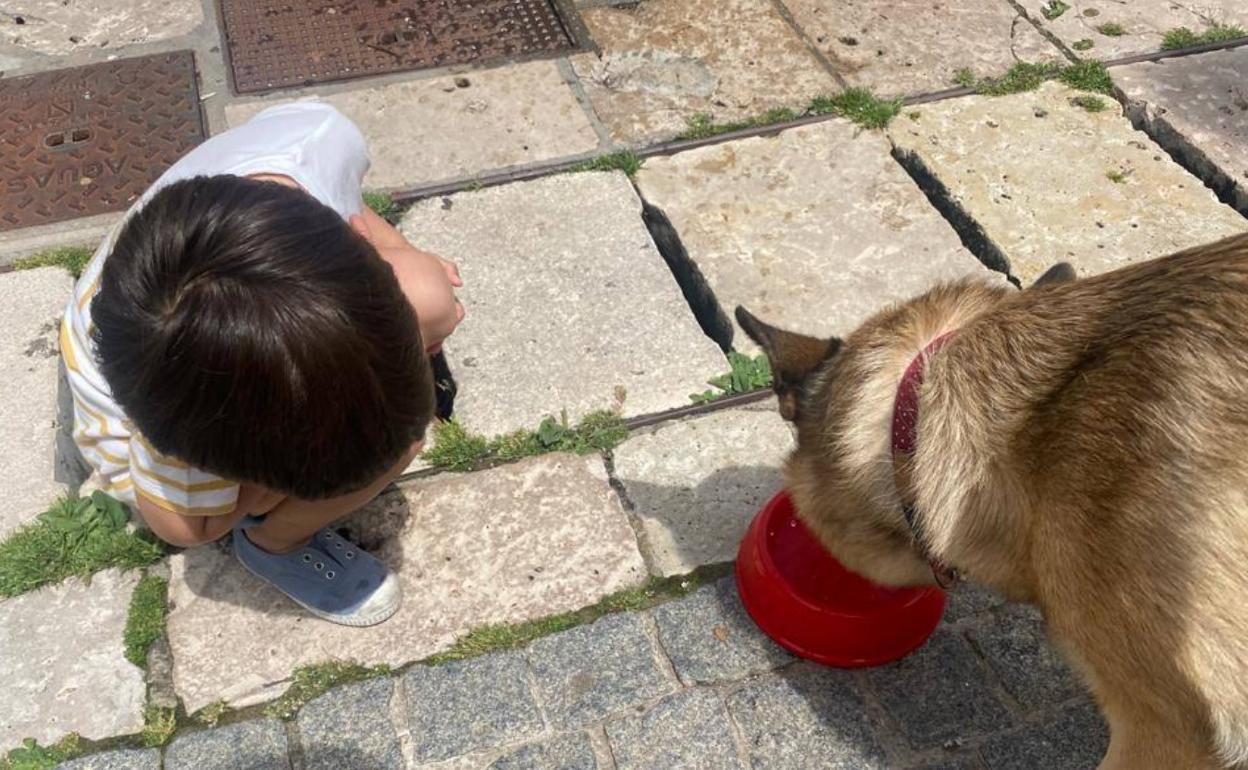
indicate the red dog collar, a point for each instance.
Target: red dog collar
{"x":905,"y":440}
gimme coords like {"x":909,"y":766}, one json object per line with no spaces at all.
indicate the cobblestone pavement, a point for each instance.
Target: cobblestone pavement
{"x":608,"y":290}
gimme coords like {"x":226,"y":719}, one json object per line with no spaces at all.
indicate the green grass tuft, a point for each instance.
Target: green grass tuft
{"x":212,"y":714}
{"x":1182,"y":37}
{"x":159,"y":725}
{"x":32,"y":756}
{"x":310,"y":682}
{"x":745,"y":375}
{"x":703,"y":126}
{"x":1023,"y":76}
{"x":1115,"y":176}
{"x":1088,"y":76}
{"x":494,"y":638}
{"x":1054,"y":9}
{"x":146,"y":620}
{"x":1082,"y":76}
{"x":1082,"y":45}
{"x":625,"y":160}
{"x":72,"y":258}
{"x":858,"y":105}
{"x":382,"y":205}
{"x":1111,"y":29}
{"x":456,"y":449}
{"x":1090,"y":103}
{"x":76,"y":537}
{"x":965,"y":77}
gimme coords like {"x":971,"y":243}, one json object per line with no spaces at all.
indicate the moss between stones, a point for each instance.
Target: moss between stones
{"x":382,"y":205}
{"x":1083,"y":76}
{"x":159,"y":726}
{"x":1182,"y":37}
{"x":508,"y":637}
{"x":311,"y":682}
{"x":146,"y":620}
{"x":1111,"y":29}
{"x":72,"y":258}
{"x":456,"y":449}
{"x":76,"y":537}
{"x":625,"y":160}
{"x":856,"y":104}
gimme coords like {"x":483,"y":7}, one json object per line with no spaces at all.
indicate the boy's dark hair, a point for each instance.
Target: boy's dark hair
{"x":246,"y":329}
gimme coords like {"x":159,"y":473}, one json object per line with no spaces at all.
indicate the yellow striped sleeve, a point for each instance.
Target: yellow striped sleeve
{"x":177,"y":487}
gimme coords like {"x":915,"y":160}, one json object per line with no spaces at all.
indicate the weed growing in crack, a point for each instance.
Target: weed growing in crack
{"x":1111,"y":29}
{"x":1088,"y":76}
{"x":456,"y":449}
{"x":1082,"y":76}
{"x":1090,"y":103}
{"x":1082,"y":45}
{"x":625,"y":160}
{"x":745,"y":375}
{"x":159,"y":725}
{"x":382,"y":205}
{"x":858,"y":105}
{"x":1054,"y":9}
{"x":145,"y":622}
{"x":965,"y":77}
{"x":76,"y":537}
{"x":310,"y":682}
{"x":212,"y":714}
{"x":31,"y":756}
{"x":71,"y":258}
{"x":1182,"y":37}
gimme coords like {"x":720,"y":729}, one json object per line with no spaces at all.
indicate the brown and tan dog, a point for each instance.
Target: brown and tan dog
{"x":1082,"y":445}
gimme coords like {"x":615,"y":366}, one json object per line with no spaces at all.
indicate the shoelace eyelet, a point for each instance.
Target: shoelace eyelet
{"x":307,"y":558}
{"x":350,"y":554}
{"x":330,"y":575}
{"x":320,"y":565}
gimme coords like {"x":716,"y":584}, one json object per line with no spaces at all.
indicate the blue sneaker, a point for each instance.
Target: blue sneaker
{"x":329,"y":577}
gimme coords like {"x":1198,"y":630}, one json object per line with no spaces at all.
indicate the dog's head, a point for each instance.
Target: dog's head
{"x":838,"y":476}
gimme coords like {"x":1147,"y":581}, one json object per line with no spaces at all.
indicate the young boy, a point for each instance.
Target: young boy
{"x":249,"y":352}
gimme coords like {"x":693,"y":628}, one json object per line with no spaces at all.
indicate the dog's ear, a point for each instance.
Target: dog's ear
{"x":1062,"y":272}
{"x":793,"y":358}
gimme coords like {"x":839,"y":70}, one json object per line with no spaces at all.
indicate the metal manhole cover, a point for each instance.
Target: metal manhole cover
{"x":89,"y":140}
{"x":277,"y":43}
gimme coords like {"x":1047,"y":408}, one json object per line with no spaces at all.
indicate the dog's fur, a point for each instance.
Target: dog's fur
{"x":1082,"y":445}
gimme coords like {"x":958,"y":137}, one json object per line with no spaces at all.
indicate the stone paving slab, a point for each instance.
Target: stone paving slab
{"x":30,"y":356}
{"x":906,"y":47}
{"x":806,"y":717}
{"x":125,"y":759}
{"x":58,"y":27}
{"x":939,"y":693}
{"x":1198,"y":107}
{"x":1143,"y":23}
{"x":1018,"y":650}
{"x":664,"y":61}
{"x":814,"y":229}
{"x":458,"y":126}
{"x":351,"y":727}
{"x":570,"y":305}
{"x":1048,"y":181}
{"x":460,"y":707}
{"x":65,"y":666}
{"x":690,"y":730}
{"x":710,"y":638}
{"x":1075,"y":740}
{"x":536,"y":538}
{"x":567,"y":752}
{"x":695,"y":485}
{"x":258,"y":745}
{"x":593,"y":671}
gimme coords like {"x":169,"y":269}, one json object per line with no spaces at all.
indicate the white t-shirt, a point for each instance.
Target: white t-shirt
{"x":310,"y":142}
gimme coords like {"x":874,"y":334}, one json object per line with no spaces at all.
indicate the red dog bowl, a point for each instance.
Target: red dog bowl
{"x":805,"y":600}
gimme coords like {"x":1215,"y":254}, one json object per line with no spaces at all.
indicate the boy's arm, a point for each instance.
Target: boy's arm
{"x":187,"y":531}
